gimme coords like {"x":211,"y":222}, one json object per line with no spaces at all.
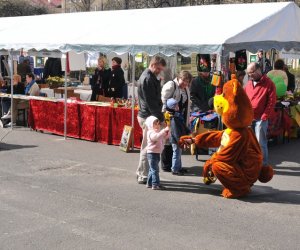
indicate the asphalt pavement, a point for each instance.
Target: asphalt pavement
{"x":73,"y":194}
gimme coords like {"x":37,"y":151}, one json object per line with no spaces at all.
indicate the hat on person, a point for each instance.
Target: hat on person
{"x":149,"y":121}
{"x":171,"y":103}
{"x":118,"y":60}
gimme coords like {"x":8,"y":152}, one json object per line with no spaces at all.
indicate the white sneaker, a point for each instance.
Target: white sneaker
{"x":9,"y":124}
{"x":1,"y":124}
{"x":6,"y":116}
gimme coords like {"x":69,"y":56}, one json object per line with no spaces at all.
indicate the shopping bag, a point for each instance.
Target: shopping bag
{"x":216,"y":79}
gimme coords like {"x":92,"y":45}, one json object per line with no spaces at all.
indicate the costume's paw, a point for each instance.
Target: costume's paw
{"x":207,"y":169}
{"x":185,"y":141}
{"x":230,"y":195}
{"x":266,"y":174}
{"x":209,"y":180}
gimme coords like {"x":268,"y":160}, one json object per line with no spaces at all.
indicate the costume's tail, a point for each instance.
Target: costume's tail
{"x":266,"y":174}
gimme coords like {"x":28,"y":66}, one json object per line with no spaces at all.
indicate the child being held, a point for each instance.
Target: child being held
{"x":178,"y":129}
{"x":155,"y":144}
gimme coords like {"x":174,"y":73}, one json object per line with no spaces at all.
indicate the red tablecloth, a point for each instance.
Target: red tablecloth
{"x":88,"y":122}
{"x":49,"y":116}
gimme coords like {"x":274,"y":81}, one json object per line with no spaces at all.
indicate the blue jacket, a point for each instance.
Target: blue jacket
{"x":178,"y":127}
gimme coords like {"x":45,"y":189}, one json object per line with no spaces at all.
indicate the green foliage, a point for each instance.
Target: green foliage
{"x":90,"y":70}
{"x":10,"y":8}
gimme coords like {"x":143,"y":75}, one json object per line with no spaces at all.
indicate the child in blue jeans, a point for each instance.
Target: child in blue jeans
{"x":155,"y":144}
{"x":178,"y":129}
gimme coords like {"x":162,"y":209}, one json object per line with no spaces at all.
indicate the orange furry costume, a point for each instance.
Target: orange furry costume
{"x":238,"y":162}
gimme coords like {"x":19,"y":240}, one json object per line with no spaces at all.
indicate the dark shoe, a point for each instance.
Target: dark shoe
{"x":183,"y":170}
{"x":166,"y":170}
{"x":177,"y":173}
{"x":160,"y":187}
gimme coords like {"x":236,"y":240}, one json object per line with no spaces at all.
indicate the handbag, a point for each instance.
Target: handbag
{"x":216,"y":79}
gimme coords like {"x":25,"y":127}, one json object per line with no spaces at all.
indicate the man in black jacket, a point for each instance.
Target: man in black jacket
{"x":201,"y":92}
{"x":149,"y":100}
{"x":264,"y":62}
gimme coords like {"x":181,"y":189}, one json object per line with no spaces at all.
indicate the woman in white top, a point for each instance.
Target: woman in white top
{"x":179,"y":90}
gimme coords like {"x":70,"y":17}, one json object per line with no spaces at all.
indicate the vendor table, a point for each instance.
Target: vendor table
{"x":84,"y":121}
{"x":85,"y":94}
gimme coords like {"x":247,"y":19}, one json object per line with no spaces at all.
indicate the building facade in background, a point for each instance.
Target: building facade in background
{"x":82,"y":5}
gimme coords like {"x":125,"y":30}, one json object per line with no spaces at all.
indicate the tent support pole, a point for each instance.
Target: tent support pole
{"x":12,"y":88}
{"x":65,"y":100}
{"x":133,"y":97}
{"x":264,"y":60}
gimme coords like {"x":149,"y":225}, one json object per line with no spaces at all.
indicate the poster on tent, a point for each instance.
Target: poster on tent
{"x":76,"y":61}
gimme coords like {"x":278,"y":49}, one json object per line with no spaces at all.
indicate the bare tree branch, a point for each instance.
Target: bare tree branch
{"x":83,"y":5}
{"x":21,"y":8}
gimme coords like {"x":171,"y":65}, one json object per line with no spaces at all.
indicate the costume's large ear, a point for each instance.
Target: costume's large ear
{"x":235,"y":86}
{"x":234,"y":83}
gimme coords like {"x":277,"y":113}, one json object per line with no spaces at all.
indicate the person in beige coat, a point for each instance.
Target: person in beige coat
{"x":179,"y":90}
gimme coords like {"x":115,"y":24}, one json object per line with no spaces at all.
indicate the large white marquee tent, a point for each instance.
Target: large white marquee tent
{"x":209,"y":29}
{"x":200,"y":29}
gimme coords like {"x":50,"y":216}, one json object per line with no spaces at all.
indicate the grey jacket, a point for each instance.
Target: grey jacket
{"x":149,"y":96}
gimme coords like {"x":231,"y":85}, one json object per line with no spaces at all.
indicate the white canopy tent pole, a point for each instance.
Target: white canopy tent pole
{"x":133,"y":97}
{"x":11,"y":88}
{"x":65,"y":100}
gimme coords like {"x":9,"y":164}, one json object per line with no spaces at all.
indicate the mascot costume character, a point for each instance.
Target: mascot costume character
{"x":237,"y":164}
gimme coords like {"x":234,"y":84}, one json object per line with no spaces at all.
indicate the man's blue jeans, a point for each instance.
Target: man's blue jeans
{"x":260,"y":128}
{"x":153,"y":176}
{"x":176,"y":158}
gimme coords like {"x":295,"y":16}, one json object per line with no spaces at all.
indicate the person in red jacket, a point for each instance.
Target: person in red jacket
{"x":262,"y":94}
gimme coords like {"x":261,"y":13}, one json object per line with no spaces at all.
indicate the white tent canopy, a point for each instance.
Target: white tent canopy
{"x":200,"y":29}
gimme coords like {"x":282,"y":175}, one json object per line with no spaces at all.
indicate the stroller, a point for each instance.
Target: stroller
{"x":201,"y":123}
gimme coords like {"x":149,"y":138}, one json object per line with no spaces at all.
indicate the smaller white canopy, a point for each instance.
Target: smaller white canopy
{"x":200,"y":29}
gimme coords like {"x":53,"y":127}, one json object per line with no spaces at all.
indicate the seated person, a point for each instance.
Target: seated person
{"x":18,"y":90}
{"x":32,"y":89}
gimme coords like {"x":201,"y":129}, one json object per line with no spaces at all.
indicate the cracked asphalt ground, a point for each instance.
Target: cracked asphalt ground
{"x":73,"y":194}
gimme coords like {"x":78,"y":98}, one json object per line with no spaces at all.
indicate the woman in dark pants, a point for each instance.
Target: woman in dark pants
{"x":117,"y":80}
{"x":100,"y":80}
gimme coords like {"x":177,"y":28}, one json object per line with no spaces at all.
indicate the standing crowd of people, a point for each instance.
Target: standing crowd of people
{"x":164,"y":111}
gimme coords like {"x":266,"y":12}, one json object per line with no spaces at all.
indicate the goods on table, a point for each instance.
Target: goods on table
{"x":55,"y":82}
